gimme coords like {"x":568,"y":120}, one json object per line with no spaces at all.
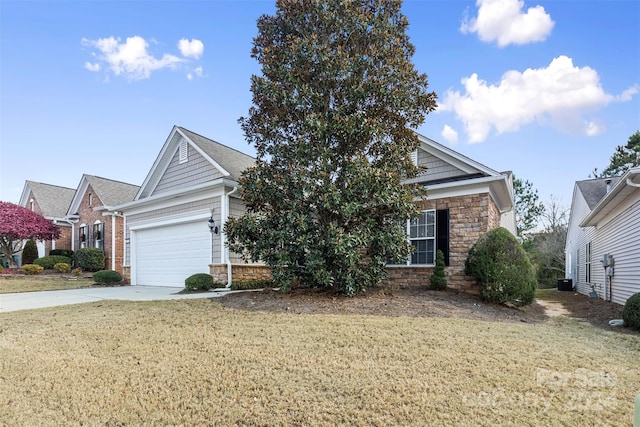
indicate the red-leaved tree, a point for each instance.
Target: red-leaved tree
{"x":18,"y":224}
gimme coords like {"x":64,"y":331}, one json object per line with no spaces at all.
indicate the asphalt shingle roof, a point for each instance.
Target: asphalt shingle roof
{"x":593,"y":190}
{"x":53,"y":200}
{"x":233,"y":161}
{"x":111,"y":192}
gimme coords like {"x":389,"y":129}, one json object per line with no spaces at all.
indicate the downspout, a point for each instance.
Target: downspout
{"x":226,"y":248}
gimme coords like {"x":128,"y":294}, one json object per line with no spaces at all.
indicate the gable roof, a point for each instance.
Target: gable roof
{"x":110,"y":192}
{"x":53,"y":200}
{"x":593,"y":190}
{"x":621,"y":188}
{"x":230,"y":162}
{"x":466,"y":174}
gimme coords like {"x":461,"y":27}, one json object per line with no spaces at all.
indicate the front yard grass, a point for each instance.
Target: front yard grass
{"x":34,"y":283}
{"x":194,"y":362}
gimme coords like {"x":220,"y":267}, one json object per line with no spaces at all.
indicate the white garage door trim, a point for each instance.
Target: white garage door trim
{"x":166,"y":255}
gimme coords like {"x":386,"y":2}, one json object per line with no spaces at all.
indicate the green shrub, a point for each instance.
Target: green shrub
{"x":32,"y":269}
{"x":251,"y":284}
{"x":438,"y":281}
{"x":107,"y":277}
{"x":30,"y":252}
{"x":631,"y":312}
{"x":90,"y":259}
{"x":500,"y":265}
{"x":199,"y":282}
{"x":63,"y":252}
{"x":47,"y":262}
{"x":62,"y":267}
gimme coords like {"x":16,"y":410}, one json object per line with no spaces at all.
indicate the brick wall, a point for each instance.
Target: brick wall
{"x":88,"y":217}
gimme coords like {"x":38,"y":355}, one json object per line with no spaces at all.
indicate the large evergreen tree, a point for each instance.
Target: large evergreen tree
{"x":624,"y":158}
{"x":528,"y":206}
{"x":331,"y":123}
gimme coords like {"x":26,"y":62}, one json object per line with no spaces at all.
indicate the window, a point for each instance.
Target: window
{"x":427,"y":234}
{"x":587,"y":263}
{"x":82,"y":236}
{"x":422,"y":235}
{"x":97,"y":234}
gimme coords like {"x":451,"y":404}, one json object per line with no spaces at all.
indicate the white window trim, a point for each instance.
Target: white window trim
{"x":426,"y":238}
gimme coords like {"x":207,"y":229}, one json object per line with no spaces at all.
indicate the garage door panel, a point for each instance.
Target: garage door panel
{"x":165,"y":256}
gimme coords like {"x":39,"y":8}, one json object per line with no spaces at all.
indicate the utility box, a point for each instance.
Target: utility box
{"x":565,"y":285}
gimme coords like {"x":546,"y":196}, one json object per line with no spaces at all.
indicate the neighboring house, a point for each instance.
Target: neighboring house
{"x":50,"y":201}
{"x":605,"y":220}
{"x":95,"y":223}
{"x":195,"y":179}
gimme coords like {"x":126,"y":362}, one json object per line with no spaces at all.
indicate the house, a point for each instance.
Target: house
{"x":605,"y":220}
{"x":192,"y":183}
{"x":465,"y":200}
{"x":175,"y":222}
{"x":50,"y":201}
{"x":94,"y":223}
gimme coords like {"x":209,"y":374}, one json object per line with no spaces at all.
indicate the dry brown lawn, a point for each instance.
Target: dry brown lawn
{"x":36,"y":283}
{"x":195,"y":362}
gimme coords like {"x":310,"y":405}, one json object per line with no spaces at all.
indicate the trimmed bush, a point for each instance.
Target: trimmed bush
{"x":77,"y":272}
{"x":30,"y":252}
{"x":199,"y":282}
{"x":90,"y":259}
{"x":631,"y":312}
{"x":107,"y":277}
{"x":47,"y":262}
{"x":438,"y":281}
{"x":63,"y":252}
{"x":500,"y":265}
{"x":251,"y":284}
{"x":32,"y":269}
{"x":62,"y":267}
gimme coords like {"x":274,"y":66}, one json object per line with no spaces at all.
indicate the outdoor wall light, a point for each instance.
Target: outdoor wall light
{"x":212,"y":224}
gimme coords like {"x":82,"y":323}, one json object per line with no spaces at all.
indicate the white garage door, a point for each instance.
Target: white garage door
{"x":165,"y":256}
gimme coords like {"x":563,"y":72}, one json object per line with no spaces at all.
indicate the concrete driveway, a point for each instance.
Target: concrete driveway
{"x":31,"y":300}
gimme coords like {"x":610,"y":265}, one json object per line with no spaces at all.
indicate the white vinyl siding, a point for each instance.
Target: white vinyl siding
{"x":620,"y":238}
{"x":577,"y":238}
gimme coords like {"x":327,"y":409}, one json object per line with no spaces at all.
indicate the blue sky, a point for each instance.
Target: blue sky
{"x":546,"y":89}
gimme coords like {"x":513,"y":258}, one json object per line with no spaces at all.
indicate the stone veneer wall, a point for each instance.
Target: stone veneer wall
{"x":239,"y":272}
{"x":469,"y":218}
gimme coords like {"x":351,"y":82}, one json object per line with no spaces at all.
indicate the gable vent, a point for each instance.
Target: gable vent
{"x":184,"y":153}
{"x":414,"y":157}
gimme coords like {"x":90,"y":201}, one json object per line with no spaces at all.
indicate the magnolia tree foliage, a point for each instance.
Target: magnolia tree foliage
{"x":18,"y":224}
{"x":331,"y":123}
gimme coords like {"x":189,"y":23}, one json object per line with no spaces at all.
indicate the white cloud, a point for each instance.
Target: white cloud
{"x":560,"y":94}
{"x":92,"y":67}
{"x":449,"y":134}
{"x":505,"y":22}
{"x":131,"y":58}
{"x":197,"y":72}
{"x":191,"y":49}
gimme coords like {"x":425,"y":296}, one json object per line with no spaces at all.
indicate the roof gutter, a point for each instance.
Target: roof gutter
{"x":626,"y":180}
